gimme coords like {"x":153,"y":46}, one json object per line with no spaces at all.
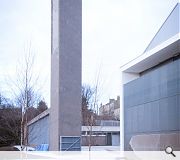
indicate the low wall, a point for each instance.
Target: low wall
{"x":95,"y":140}
{"x":155,"y":142}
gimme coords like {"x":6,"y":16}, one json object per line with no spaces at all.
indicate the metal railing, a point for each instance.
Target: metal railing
{"x":73,"y":144}
{"x":107,"y":123}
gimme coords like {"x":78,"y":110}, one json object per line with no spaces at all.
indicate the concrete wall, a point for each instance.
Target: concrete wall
{"x":102,"y":139}
{"x":95,"y":140}
{"x":152,"y":102}
{"x":38,"y":132}
{"x":115,"y":139}
{"x":65,"y":112}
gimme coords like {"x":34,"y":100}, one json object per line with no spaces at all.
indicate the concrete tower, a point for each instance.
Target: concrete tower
{"x":65,"y":111}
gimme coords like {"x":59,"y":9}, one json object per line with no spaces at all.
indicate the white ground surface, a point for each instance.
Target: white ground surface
{"x":101,"y":148}
{"x":93,"y":155}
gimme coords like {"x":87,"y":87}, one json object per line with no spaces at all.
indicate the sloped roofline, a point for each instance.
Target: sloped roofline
{"x":145,"y":51}
{"x":38,"y":117}
{"x":160,"y":28}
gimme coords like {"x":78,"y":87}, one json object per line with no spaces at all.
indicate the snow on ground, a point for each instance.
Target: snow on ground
{"x":101,"y":148}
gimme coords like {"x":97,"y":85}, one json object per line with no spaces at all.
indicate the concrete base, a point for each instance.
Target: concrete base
{"x":155,"y":142}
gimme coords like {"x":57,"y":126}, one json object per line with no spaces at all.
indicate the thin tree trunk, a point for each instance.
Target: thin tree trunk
{"x":90,"y":134}
{"x":22,"y":132}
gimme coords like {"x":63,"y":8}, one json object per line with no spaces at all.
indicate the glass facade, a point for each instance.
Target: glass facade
{"x":152,"y":102}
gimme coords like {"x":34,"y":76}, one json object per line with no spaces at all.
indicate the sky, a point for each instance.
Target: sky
{"x":25,"y":24}
{"x":114,"y":32}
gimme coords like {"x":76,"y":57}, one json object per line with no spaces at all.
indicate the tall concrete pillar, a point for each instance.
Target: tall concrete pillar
{"x":65,"y":111}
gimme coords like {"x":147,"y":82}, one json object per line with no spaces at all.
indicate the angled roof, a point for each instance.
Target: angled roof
{"x":168,"y":29}
{"x":164,"y":45}
{"x":40,"y":116}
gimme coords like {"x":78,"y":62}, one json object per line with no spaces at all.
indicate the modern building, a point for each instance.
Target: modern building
{"x":38,"y":129}
{"x":105,"y":133}
{"x":112,"y":108}
{"x":150,"y":92}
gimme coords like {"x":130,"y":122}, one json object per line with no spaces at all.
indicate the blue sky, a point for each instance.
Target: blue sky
{"x":114,"y":32}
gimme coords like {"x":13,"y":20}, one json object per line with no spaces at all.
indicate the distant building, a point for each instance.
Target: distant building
{"x":104,"y":133}
{"x":112,"y":108}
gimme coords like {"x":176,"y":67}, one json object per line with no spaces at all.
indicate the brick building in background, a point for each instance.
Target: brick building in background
{"x":112,"y":108}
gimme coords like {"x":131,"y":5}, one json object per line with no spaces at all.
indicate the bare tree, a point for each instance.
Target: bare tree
{"x":87,"y":97}
{"x":92,"y":95}
{"x":10,"y":121}
{"x":89,"y":110}
{"x":28,"y":94}
{"x":26,"y":90}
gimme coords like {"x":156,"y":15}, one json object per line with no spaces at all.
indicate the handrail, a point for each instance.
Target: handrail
{"x":72,"y":144}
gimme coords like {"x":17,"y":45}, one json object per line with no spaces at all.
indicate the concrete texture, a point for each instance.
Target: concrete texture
{"x":39,"y":132}
{"x":156,"y":142}
{"x":95,"y":140}
{"x":65,"y":111}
